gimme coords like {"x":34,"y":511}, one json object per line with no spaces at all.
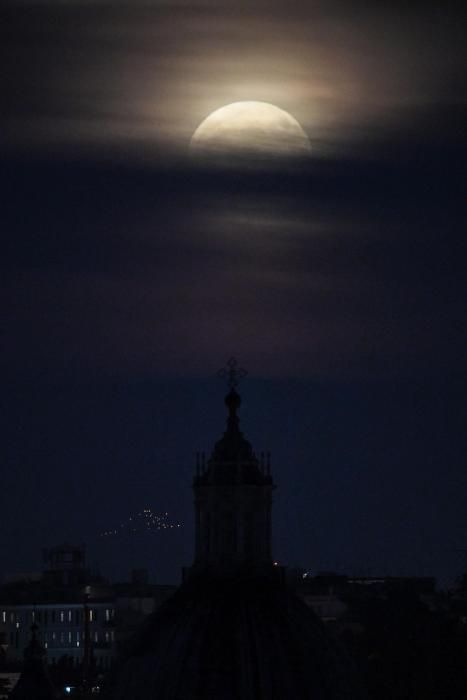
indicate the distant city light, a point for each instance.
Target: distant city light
{"x":144,"y":521}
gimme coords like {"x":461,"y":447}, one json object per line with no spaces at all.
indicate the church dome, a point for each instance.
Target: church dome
{"x":235,"y":638}
{"x":233,"y":631}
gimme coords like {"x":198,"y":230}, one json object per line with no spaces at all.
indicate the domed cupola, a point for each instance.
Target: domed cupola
{"x":233,"y":631}
{"x":233,"y":496}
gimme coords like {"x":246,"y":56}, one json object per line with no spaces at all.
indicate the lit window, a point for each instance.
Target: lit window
{"x":107,"y":615}
{"x":91,"y":616}
{"x":4,"y":616}
{"x":69,"y":615}
{"x":96,"y":637}
{"x":62,"y":616}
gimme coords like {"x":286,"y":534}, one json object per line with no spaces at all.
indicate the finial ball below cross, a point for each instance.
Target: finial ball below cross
{"x":233,"y":373}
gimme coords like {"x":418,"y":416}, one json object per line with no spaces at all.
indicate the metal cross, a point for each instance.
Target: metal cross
{"x":232,"y":372}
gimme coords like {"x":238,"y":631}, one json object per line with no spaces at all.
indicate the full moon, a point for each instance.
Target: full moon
{"x":250,"y":128}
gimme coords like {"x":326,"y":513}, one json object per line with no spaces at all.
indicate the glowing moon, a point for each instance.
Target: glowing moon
{"x":250,"y":128}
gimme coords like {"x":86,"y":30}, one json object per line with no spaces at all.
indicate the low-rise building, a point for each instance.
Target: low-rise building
{"x":80,"y":619}
{"x":74,"y":612}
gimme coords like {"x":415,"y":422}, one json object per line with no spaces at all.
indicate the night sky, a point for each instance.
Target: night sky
{"x":131,"y":271}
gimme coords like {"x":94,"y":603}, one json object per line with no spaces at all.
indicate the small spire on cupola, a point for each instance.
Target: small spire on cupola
{"x":233,"y":403}
{"x":233,"y":373}
{"x":232,"y":446}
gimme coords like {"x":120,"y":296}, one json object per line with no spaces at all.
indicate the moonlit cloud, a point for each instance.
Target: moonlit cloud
{"x":129,"y":75}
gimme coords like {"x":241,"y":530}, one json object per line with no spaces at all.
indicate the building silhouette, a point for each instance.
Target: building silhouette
{"x":233,"y":498}
{"x":233,"y":630}
{"x":78,"y":618}
{"x":73,"y":611}
{"x":239,"y":626}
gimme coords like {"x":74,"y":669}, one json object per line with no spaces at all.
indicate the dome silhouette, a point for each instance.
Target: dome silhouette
{"x":233,"y":631}
{"x":236,"y":639}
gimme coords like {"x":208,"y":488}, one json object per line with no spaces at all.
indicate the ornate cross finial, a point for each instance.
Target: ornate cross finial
{"x":232,"y":372}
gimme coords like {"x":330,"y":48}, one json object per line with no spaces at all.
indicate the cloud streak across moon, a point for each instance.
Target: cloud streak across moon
{"x":250,"y":128}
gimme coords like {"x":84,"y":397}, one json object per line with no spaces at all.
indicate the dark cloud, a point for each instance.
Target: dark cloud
{"x":342,"y":261}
